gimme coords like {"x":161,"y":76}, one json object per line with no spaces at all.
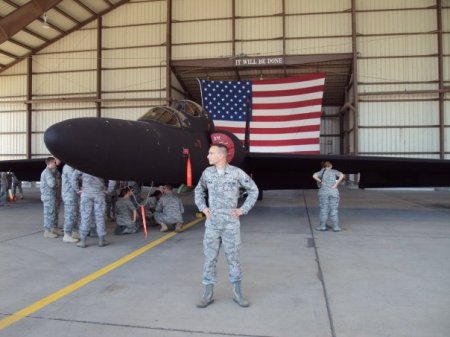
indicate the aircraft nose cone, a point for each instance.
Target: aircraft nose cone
{"x":71,"y":140}
{"x":99,"y":146}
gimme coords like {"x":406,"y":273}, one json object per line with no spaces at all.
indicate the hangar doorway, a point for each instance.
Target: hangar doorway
{"x":336,"y":123}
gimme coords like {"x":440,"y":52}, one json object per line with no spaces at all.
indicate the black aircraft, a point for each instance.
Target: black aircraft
{"x":169,"y":145}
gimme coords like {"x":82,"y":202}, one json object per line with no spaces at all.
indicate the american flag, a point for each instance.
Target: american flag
{"x":285,"y":112}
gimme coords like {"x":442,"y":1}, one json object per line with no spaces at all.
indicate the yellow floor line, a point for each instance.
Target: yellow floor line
{"x":5,"y":322}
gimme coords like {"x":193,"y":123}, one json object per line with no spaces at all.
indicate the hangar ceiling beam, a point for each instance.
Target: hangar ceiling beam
{"x":23,"y":16}
{"x":289,"y":60}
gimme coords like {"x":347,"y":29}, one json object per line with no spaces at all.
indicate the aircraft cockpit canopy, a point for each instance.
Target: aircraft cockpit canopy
{"x":165,"y":115}
{"x":190,"y":108}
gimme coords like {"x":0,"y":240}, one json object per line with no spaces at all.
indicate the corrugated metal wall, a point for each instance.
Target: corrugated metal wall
{"x":396,"y":42}
{"x":330,"y":132}
{"x":397,"y":52}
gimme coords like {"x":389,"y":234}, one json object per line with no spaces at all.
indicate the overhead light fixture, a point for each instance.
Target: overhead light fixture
{"x":45,"y":24}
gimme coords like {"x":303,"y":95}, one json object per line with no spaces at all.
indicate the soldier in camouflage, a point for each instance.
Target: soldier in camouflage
{"x":92,"y":201}
{"x":328,"y":180}
{"x":48,"y":197}
{"x":3,"y":188}
{"x":223,"y":183}
{"x":71,"y":205}
{"x":169,"y":210}
{"x":125,"y":214}
{"x":58,"y":190}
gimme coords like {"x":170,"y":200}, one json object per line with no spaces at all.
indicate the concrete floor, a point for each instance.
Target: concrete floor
{"x":386,"y":274}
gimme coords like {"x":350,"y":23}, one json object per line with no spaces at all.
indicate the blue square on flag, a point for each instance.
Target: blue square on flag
{"x":227,"y":100}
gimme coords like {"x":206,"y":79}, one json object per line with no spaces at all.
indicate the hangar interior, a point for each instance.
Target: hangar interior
{"x":387,"y":64}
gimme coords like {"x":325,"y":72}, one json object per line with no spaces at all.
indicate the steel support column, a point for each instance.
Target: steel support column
{"x":29,"y":106}
{"x":98,"y":104}
{"x":355,"y":81}
{"x":169,"y":52}
{"x":441,"y":80}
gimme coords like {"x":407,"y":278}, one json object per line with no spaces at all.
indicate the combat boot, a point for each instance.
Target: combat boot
{"x":237,"y":295}
{"x":207,"y":296}
{"x":69,"y":239}
{"x":92,"y":233}
{"x":337,"y":229}
{"x":179,"y":227}
{"x":49,"y":234}
{"x":82,"y":242}
{"x":163,"y":228}
{"x":102,"y":242}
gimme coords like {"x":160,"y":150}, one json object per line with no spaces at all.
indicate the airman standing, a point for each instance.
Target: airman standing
{"x":328,"y":180}
{"x":222,"y":226}
{"x":48,"y":197}
{"x":92,"y":201}
{"x":71,"y":204}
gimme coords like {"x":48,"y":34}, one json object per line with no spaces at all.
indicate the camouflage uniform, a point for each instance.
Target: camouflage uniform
{"x":124,"y":215}
{"x":92,"y":201}
{"x":328,"y":197}
{"x":3,"y":188}
{"x":222,"y":227}
{"x":149,"y":206}
{"x":137,"y":189}
{"x":58,"y":180}
{"x":111,"y":199}
{"x":48,"y":197}
{"x":169,"y":209}
{"x":70,"y":199}
{"x":16,"y":185}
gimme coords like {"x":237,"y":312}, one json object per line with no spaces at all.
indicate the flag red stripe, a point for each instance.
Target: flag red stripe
{"x":286,"y":142}
{"x":280,"y":118}
{"x":288,"y":92}
{"x":288,"y":105}
{"x":302,"y":78}
{"x":272,"y":131}
{"x":305,"y":152}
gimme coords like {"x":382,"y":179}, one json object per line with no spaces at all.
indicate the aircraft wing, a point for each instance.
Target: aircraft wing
{"x":24,"y":169}
{"x":290,"y":171}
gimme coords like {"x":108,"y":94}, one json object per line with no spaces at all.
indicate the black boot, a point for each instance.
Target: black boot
{"x":102,"y":242}
{"x":237,"y":295}
{"x":207,"y":296}
{"x":82,"y":242}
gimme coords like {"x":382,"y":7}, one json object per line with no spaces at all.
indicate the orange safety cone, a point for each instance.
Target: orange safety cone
{"x":189,"y":172}
{"x":144,"y":220}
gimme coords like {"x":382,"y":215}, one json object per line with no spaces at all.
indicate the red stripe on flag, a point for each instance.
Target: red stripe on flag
{"x":292,"y":129}
{"x":308,"y":77}
{"x":286,"y":142}
{"x":281,"y":118}
{"x":288,"y":105}
{"x":272,"y":131}
{"x":288,"y":92}
{"x":305,"y":152}
{"x":231,"y":129}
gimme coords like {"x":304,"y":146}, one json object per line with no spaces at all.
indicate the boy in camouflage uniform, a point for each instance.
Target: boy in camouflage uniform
{"x":222,"y":226}
{"x":48,"y":197}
